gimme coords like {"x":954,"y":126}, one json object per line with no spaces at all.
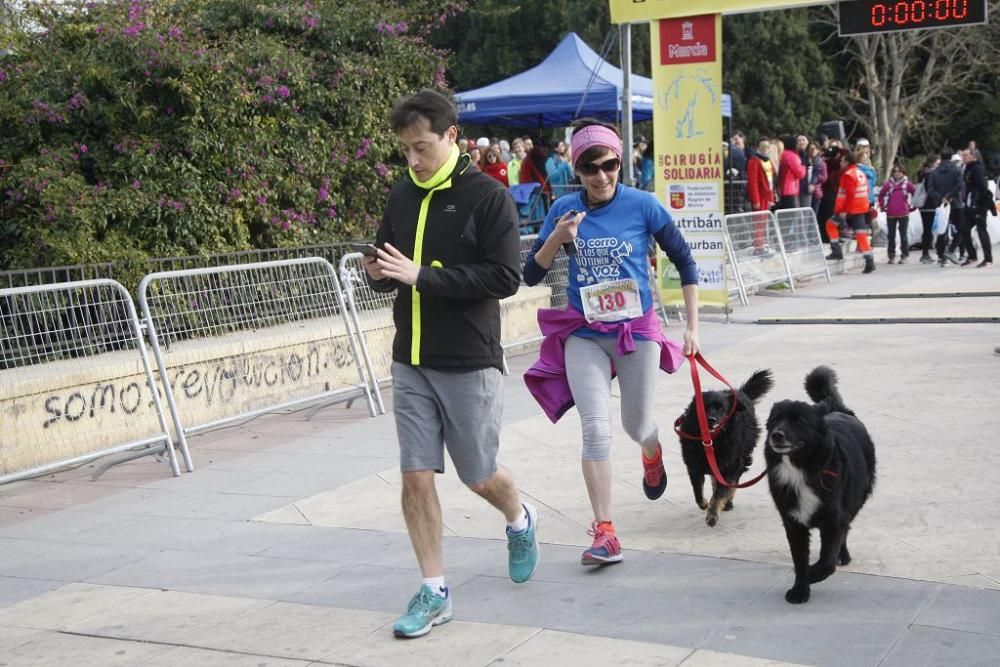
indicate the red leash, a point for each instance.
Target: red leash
{"x":708,"y":435}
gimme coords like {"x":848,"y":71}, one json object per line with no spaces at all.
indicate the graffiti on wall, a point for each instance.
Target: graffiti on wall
{"x":211,"y":383}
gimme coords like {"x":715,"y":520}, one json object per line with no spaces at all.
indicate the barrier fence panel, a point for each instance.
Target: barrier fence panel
{"x":803,"y":243}
{"x":519,"y":313}
{"x":733,"y":279}
{"x":371,"y":319}
{"x":237,"y":341}
{"x":757,"y":250}
{"x":75,"y":379}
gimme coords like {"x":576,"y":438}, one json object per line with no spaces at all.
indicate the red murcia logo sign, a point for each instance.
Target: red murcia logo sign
{"x":687,"y":40}
{"x":677,"y":197}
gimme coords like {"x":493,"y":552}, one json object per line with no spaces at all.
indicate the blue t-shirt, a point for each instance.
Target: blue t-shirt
{"x":612,"y":242}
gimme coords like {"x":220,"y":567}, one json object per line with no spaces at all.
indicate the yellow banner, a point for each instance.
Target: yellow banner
{"x":687,"y":136}
{"x":634,"y":11}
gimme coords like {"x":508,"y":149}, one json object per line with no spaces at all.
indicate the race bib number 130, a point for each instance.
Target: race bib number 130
{"x":611,"y":302}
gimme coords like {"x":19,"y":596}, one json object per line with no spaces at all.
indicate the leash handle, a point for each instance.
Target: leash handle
{"x":706,"y":434}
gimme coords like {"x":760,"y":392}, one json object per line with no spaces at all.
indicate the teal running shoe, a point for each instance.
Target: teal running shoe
{"x":424,"y":612}
{"x":522,"y":549}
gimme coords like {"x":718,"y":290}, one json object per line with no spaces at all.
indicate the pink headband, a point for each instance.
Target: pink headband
{"x":595,"y":135}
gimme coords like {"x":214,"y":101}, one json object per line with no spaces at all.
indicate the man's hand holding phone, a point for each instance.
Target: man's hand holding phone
{"x":369,"y":259}
{"x":388,"y":262}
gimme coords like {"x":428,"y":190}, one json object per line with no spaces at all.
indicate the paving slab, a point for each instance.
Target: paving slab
{"x":221,"y":574}
{"x":183,"y":655}
{"x":58,"y":648}
{"x":69,"y":605}
{"x":168,"y":617}
{"x":934,"y":646}
{"x":454,"y":643}
{"x":296,"y":631}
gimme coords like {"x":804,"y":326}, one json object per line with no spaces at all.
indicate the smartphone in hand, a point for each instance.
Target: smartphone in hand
{"x":366,"y":249}
{"x":570,"y":248}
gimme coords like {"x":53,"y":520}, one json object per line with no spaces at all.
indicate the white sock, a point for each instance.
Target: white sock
{"x":520,"y":524}
{"x":436,"y":584}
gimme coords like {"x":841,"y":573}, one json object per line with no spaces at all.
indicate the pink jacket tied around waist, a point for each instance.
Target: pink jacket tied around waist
{"x":546,"y":379}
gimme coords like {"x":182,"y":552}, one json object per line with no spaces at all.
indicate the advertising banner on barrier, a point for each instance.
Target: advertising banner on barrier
{"x":687,"y":136}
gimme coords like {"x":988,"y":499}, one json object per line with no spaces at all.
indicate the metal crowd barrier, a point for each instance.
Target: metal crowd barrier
{"x":802,"y":241}
{"x":370,"y":316}
{"x":85,"y":338}
{"x":233,"y":342}
{"x":758,"y":253}
{"x":768,"y":248}
{"x":519,"y":312}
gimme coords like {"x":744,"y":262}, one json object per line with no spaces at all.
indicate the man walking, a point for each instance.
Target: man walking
{"x":978,"y":202}
{"x":449,"y":245}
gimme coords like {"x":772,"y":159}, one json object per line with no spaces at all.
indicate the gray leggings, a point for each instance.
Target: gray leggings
{"x":588,"y":370}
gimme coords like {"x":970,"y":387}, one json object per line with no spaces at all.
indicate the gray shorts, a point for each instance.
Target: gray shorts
{"x":460,"y":410}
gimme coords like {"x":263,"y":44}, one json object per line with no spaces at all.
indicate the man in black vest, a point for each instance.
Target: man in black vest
{"x":449,"y":245}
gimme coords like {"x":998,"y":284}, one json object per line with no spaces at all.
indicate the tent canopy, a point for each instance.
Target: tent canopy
{"x":549,"y":94}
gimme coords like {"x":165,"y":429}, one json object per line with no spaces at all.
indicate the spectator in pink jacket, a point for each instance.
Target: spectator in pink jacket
{"x":894,"y":198}
{"x":791,"y":171}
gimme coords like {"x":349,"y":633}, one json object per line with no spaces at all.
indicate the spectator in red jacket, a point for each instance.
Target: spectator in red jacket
{"x":760,"y":191}
{"x":492,"y":165}
{"x":791,"y":171}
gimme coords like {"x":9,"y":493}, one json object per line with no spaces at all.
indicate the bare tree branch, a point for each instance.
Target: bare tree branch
{"x":902,"y":82}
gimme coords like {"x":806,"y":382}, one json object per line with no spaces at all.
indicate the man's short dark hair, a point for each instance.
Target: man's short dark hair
{"x":946,"y":153}
{"x":439,"y":111}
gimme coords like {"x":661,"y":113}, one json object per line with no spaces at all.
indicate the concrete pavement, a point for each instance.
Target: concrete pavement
{"x":286,"y":545}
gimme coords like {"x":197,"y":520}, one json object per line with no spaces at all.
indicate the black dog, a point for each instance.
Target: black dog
{"x":821,"y":470}
{"x":734,"y":444}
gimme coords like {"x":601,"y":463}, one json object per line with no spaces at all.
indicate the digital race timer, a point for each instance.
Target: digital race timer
{"x":862,"y":17}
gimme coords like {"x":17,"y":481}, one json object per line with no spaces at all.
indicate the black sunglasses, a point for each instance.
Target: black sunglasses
{"x":608,"y":167}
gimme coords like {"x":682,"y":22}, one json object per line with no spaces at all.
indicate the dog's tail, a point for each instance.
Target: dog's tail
{"x":757,"y":385}
{"x":821,"y":385}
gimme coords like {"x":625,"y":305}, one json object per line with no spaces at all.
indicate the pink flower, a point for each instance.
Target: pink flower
{"x":136,"y":184}
{"x":331,"y":212}
{"x":261,"y":199}
{"x":283,"y":92}
{"x":83,"y":148}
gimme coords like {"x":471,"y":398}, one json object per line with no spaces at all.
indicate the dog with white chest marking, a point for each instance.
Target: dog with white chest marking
{"x":820,"y":470}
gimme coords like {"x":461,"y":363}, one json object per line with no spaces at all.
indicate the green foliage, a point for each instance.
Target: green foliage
{"x":776,"y":72}
{"x":497,"y":38}
{"x":166,"y":127}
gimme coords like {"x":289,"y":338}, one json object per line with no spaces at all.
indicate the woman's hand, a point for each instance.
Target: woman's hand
{"x":566,"y":228}
{"x":691,"y":343}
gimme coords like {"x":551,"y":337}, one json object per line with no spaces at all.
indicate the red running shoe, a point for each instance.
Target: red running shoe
{"x":605,"y":550}
{"x":654,"y":476}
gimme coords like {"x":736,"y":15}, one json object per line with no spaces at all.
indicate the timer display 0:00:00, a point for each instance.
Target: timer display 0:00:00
{"x":918,"y":11}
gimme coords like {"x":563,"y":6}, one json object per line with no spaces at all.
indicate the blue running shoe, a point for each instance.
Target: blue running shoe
{"x":424,"y":611}
{"x":522,"y":549}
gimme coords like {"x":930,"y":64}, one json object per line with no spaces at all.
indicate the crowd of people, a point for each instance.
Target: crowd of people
{"x":840,"y":184}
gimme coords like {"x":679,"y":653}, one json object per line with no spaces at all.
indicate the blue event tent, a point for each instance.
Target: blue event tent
{"x":572,"y":82}
{"x":550,"y":93}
